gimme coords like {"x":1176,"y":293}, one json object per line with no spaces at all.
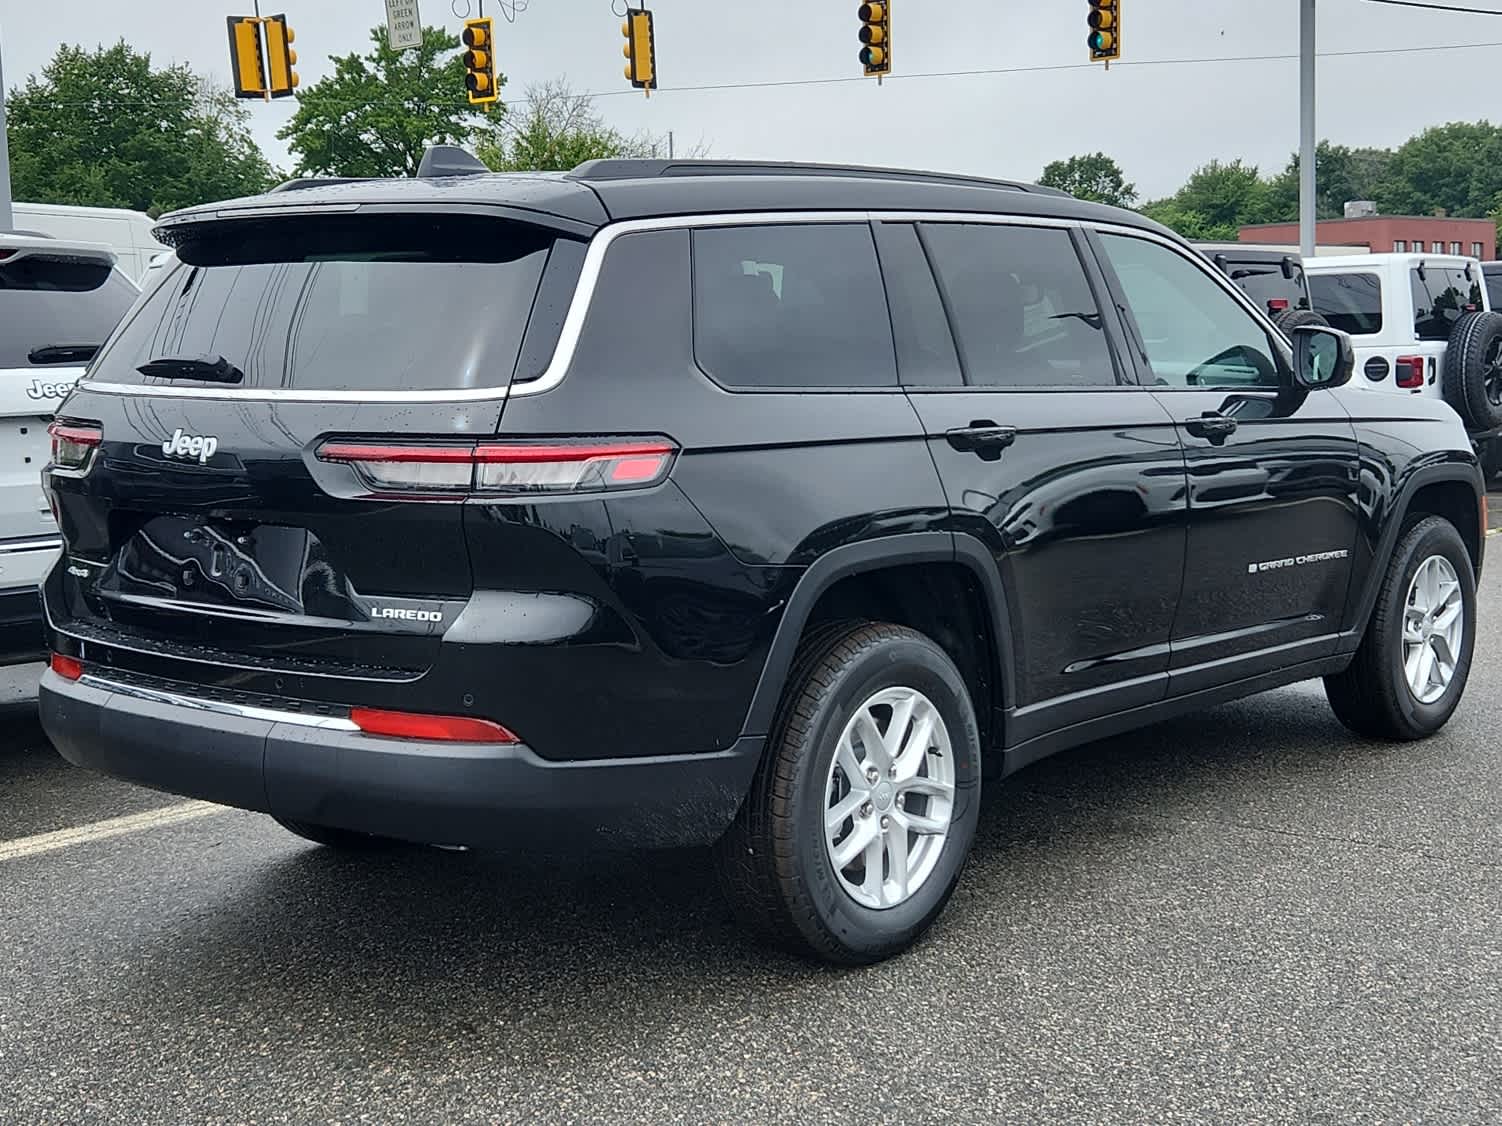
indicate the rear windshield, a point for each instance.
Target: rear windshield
{"x":1441,"y":297}
{"x":48,"y":301}
{"x":1494,"y":288}
{"x":1350,"y":302}
{"x":379,"y":303}
{"x":1265,"y":284}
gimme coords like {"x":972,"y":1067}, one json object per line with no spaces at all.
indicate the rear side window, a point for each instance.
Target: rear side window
{"x":1441,"y":296}
{"x":45,"y":302}
{"x":385,"y":303}
{"x":1494,"y":288}
{"x":1020,"y":304}
{"x":1350,"y":302}
{"x":791,"y":306}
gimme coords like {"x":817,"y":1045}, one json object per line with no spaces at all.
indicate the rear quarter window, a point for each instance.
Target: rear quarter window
{"x":382,"y":303}
{"x":795,"y":306}
{"x":1350,"y":302}
{"x":1441,"y":296}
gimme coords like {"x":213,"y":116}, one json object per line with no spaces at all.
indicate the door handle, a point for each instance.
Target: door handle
{"x":1212,"y":426}
{"x":983,"y":437}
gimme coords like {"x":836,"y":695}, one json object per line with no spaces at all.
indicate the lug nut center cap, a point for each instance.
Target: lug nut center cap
{"x":883,"y":796}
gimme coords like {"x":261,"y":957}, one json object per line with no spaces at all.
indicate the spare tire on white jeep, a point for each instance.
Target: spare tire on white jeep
{"x":1290,"y":319}
{"x":1472,"y":381}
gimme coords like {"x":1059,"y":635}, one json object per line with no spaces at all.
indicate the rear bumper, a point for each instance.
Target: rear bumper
{"x":314,"y":769}
{"x":21,"y":637}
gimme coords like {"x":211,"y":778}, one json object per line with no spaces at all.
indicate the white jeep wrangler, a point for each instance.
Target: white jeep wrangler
{"x":1422,"y":324}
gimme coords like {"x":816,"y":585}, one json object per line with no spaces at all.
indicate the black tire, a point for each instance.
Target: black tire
{"x":1372,"y":696}
{"x":1472,"y":381}
{"x":1290,"y":319}
{"x":773,"y":862}
{"x":346,"y":840}
{"x":1490,"y":455}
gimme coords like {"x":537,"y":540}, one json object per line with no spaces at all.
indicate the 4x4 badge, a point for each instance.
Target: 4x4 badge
{"x":198,"y":447}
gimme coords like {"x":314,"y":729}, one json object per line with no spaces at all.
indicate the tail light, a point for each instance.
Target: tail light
{"x":439,"y":728}
{"x":1410,"y":371}
{"x":504,"y":468}
{"x":73,"y":444}
{"x":69,"y":668}
{"x":1277,"y":304}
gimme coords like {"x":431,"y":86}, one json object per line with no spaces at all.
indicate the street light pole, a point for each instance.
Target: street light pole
{"x":1306,"y":128}
{"x":7,"y":220}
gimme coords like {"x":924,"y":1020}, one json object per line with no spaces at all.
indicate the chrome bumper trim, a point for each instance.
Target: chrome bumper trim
{"x":218,"y":707}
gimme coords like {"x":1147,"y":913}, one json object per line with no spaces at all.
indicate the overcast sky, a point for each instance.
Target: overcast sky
{"x":1158,"y":120}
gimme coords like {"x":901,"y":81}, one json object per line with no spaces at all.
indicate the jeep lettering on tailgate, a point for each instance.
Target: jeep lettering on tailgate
{"x":200,"y":448}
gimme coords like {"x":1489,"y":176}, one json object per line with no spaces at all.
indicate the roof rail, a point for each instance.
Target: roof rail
{"x":627,"y":169}
{"x":305,"y":182}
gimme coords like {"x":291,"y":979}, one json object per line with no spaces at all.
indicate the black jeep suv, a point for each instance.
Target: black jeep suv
{"x":661,"y":504}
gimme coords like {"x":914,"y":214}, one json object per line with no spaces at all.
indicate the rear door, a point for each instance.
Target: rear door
{"x":1072,"y":478}
{"x":55,"y":308}
{"x":1272,"y":473}
{"x":216,"y":536}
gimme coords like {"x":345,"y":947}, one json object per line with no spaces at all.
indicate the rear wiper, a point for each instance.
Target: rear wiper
{"x":211,"y":369}
{"x":64,"y":353}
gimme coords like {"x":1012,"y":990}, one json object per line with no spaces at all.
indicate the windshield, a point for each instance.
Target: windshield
{"x":388,"y":303}
{"x":50,"y":301}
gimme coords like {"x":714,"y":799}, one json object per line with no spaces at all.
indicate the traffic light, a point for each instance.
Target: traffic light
{"x":640,"y":49}
{"x":280,"y":57}
{"x":876,"y":38}
{"x":479,"y":61}
{"x":245,"y":60}
{"x":1105,"y":31}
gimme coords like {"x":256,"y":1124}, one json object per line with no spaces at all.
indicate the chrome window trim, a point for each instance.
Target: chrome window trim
{"x":217,"y":707}
{"x":46,"y":543}
{"x":589,"y":276}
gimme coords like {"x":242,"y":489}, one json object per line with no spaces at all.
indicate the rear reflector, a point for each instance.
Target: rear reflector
{"x":438,"y":728}
{"x":1410,"y":371}
{"x":73,"y":443}
{"x":504,"y":469}
{"x":69,"y":668}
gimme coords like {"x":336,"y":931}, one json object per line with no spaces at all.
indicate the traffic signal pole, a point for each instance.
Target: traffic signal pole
{"x":7,"y":219}
{"x":1306,"y":128}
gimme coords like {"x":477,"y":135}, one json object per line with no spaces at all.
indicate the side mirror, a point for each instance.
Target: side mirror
{"x":1322,"y":357}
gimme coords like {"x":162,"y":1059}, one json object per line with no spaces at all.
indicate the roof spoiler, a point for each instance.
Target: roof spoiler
{"x":450,"y":160}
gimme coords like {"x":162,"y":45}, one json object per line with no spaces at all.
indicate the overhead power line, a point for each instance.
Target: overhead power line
{"x":1440,"y":7}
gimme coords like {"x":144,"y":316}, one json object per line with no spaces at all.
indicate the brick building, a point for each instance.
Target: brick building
{"x":1382,"y":234}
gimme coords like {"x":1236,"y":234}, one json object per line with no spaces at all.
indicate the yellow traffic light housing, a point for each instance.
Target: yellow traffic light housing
{"x":1105,"y":31}
{"x":246,"y":63}
{"x":876,"y":38}
{"x":640,"y":49}
{"x":280,"y":57}
{"x":479,"y":62}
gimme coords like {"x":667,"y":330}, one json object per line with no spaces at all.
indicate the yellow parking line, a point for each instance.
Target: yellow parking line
{"x":104,"y":830}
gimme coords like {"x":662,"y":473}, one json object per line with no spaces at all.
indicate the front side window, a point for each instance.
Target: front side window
{"x":1021,"y":307}
{"x":1350,"y":302}
{"x":793,"y":306}
{"x":1194,"y":333}
{"x":1441,"y":296}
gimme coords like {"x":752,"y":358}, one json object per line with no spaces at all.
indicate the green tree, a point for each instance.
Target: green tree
{"x":378,"y":112}
{"x":105,"y":128}
{"x":1094,"y":177}
{"x":1216,"y":201}
{"x":556,"y":129}
{"x":1455,"y":168}
{"x":1341,"y":174}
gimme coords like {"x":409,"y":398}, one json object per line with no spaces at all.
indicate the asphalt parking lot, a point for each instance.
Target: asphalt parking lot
{"x":1244,"y":915}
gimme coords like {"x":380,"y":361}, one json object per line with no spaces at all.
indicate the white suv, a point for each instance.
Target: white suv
{"x":58,"y":302}
{"x":1422,"y":324}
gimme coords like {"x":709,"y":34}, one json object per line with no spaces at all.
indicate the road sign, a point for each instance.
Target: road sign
{"x":403,"y":25}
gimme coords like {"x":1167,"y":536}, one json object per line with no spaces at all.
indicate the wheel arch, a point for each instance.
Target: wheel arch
{"x":1453,"y":490}
{"x":873,"y":558}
